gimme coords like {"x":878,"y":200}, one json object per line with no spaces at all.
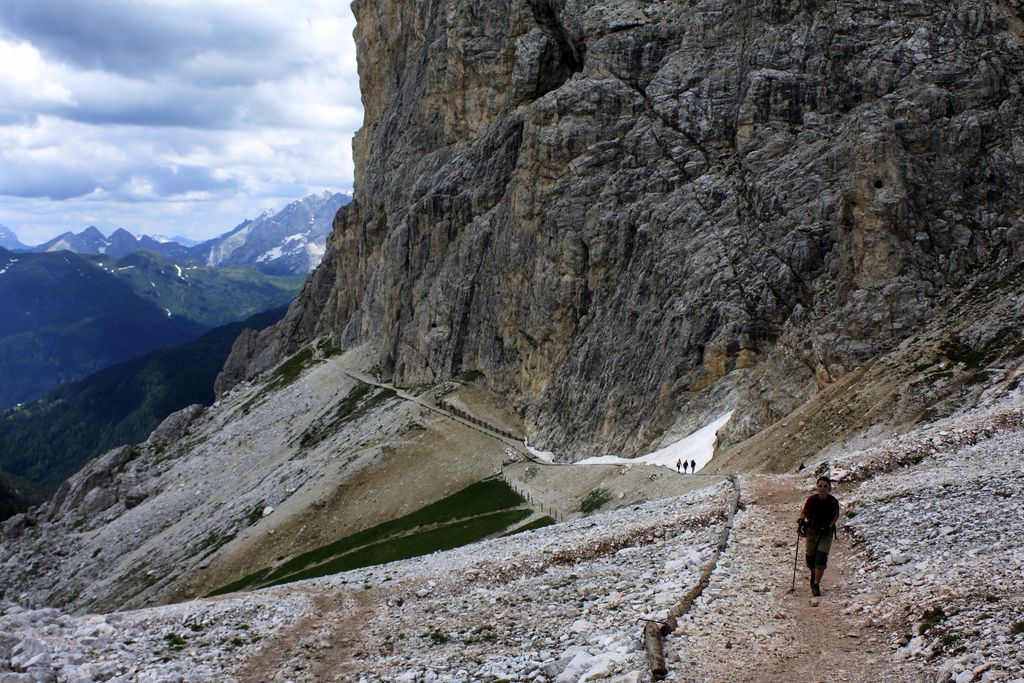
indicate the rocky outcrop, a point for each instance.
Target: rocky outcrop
{"x":629,"y":214}
{"x":256,"y":352}
{"x":173,"y":427}
{"x":120,"y":478}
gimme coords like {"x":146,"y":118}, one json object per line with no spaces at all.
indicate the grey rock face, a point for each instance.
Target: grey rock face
{"x":87,"y":491}
{"x":237,"y":362}
{"x":16,"y":525}
{"x":29,"y":653}
{"x":632,"y":215}
{"x":174,"y":426}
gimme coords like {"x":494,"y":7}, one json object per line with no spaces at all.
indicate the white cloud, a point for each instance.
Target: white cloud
{"x":185,"y":115}
{"x":28,"y":80}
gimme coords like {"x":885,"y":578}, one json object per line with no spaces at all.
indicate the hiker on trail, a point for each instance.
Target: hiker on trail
{"x":817,"y":523}
{"x":693,"y":466}
{"x":684,"y":467}
{"x":679,"y":464}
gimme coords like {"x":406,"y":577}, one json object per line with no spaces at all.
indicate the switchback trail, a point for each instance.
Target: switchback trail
{"x":479,"y":426}
{"x":748,"y":627}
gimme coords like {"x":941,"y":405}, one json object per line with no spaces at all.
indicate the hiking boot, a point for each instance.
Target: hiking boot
{"x":816,"y":590}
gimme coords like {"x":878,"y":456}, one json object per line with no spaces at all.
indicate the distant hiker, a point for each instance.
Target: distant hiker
{"x":817,"y":523}
{"x":684,"y":468}
{"x":693,"y":466}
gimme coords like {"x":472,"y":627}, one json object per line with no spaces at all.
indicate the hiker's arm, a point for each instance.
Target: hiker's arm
{"x":835,"y":519}
{"x":804,"y":513}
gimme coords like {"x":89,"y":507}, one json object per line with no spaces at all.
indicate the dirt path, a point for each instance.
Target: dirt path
{"x":324,"y":645}
{"x":749,"y":628}
{"x":826,"y":644}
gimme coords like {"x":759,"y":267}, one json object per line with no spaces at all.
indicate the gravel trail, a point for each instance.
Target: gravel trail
{"x":749,"y":627}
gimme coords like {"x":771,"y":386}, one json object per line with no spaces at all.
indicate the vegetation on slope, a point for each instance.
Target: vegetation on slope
{"x":285,"y":373}
{"x":48,"y":439}
{"x":64,"y":316}
{"x":360,"y":401}
{"x":474,"y":513}
{"x":16,"y":495}
{"x":209,"y":296}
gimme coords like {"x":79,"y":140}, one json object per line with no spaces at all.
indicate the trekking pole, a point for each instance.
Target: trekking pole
{"x":796,"y":556}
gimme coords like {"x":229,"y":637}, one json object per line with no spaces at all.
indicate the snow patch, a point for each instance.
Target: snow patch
{"x":545,"y":456}
{"x":698,"y":446}
{"x":274,"y":253}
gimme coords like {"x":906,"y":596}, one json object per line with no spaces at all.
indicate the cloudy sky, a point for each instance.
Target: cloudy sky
{"x":174,"y":117}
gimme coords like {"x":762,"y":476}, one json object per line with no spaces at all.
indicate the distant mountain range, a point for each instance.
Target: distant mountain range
{"x":8,"y":240}
{"x":64,"y":316}
{"x":286,"y":242}
{"x":120,"y":243}
{"x":290,"y":241}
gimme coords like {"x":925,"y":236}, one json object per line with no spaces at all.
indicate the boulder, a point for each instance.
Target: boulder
{"x":29,"y":653}
{"x":173,"y":427}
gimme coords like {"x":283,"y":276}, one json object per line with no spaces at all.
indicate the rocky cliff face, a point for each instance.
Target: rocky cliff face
{"x":631,"y":214}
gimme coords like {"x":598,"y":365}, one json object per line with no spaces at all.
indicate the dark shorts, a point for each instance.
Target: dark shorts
{"x":819,"y":543}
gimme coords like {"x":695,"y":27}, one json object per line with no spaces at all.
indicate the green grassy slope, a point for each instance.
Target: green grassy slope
{"x":474,"y":513}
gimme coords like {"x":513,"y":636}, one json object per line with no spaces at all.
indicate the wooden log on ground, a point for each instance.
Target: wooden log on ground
{"x":655,"y":654}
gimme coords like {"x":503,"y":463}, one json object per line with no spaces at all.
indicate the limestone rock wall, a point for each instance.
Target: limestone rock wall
{"x":632,"y":215}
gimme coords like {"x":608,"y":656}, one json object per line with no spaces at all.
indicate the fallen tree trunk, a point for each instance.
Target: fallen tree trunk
{"x":653,"y":631}
{"x":655,"y":654}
